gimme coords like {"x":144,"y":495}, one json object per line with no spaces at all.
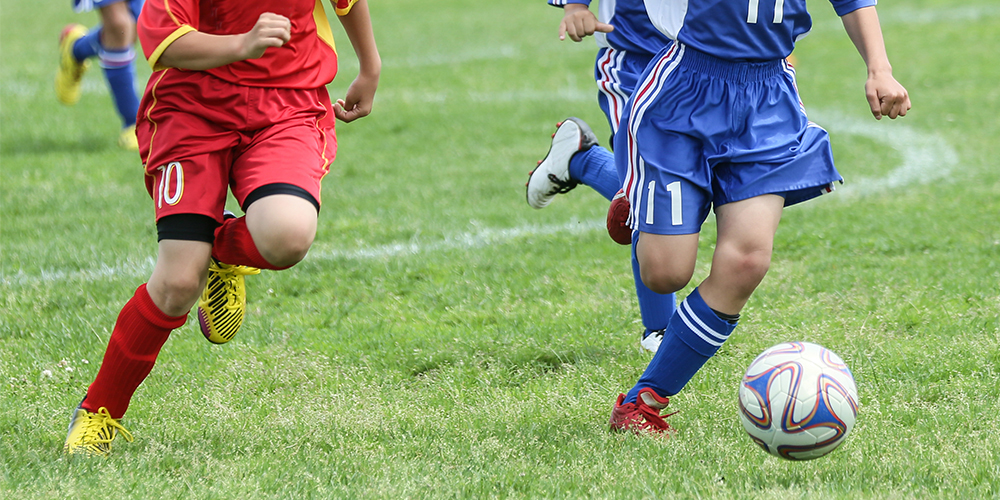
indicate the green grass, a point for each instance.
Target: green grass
{"x":443,"y":340}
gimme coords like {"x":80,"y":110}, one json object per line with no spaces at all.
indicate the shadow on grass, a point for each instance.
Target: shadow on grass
{"x":526,"y":362}
{"x":12,"y":145}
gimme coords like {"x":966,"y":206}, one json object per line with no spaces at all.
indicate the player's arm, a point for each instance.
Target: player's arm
{"x":579,"y":22}
{"x":357,"y":23}
{"x":886,"y":96}
{"x":195,"y":50}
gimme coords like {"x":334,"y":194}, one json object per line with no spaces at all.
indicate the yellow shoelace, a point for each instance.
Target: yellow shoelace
{"x":99,"y":422}
{"x":234,"y":286}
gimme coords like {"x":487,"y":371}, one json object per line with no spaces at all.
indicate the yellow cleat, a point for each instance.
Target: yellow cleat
{"x":224,"y":302}
{"x":127,"y":139}
{"x":70,"y":70}
{"x":91,"y":433}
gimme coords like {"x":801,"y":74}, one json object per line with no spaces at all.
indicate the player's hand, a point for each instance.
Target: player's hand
{"x":886,"y":96}
{"x":271,"y":30}
{"x":579,"y":22}
{"x":359,"y":99}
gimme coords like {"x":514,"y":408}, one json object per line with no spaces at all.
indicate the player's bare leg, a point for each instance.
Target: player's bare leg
{"x":283,"y":228}
{"x":119,"y":26}
{"x":118,"y":37}
{"x":743,"y":251}
{"x":666,"y":261}
{"x":709,"y":314}
{"x":179,"y":275}
{"x":742,"y":254}
{"x":143,"y":325}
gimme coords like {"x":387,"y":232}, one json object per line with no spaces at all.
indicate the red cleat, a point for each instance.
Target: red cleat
{"x":643,"y":416}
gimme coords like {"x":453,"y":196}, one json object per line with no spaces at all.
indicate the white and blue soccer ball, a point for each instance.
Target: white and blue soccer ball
{"x":798,"y":401}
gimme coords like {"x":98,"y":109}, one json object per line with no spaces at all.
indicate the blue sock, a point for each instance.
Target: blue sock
{"x":656,"y":309}
{"x":693,"y":335}
{"x":595,"y":167}
{"x":88,"y":45}
{"x":119,"y":71}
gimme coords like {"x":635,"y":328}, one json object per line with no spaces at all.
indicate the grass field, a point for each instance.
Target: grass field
{"x":444,"y":340}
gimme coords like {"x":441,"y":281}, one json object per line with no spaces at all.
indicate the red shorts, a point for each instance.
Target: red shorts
{"x":199,"y":135}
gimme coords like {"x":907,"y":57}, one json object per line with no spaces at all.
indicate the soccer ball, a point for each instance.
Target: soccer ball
{"x":798,"y":401}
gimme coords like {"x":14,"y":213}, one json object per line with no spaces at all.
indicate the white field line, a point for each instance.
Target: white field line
{"x":450,"y":58}
{"x":471,"y":240}
{"x":889,"y":14}
{"x":27,"y":89}
{"x":926,"y":157}
{"x":93,"y":84}
{"x":100,"y":272}
{"x":904,"y":14}
{"x":464,"y":241}
{"x":570,"y":92}
{"x":893,"y":14}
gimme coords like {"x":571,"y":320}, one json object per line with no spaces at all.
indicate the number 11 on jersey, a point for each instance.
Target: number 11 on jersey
{"x":779,"y":14}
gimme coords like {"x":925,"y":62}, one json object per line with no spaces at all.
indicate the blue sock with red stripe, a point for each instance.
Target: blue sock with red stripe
{"x":119,"y":71}
{"x":694,"y":334}
{"x":88,"y":45}
{"x":595,"y":167}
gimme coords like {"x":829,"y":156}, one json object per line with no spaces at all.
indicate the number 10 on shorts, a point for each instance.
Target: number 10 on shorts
{"x":171,"y":173}
{"x":676,"y":205}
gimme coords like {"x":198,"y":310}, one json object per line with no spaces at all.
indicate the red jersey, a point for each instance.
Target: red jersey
{"x":308,"y":60}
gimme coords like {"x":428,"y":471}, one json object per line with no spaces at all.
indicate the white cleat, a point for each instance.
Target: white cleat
{"x":551,"y":176}
{"x":651,"y":342}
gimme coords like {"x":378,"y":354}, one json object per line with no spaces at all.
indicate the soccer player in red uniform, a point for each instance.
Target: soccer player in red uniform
{"x":237,"y":100}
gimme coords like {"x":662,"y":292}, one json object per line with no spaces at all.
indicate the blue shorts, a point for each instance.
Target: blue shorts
{"x":89,"y":5}
{"x":701,"y":131}
{"x":617,"y":73}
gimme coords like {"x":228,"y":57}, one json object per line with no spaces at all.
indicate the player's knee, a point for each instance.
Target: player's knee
{"x":177,"y":293}
{"x":283,"y":224}
{"x":664,"y":280}
{"x":287,"y":247}
{"x":749,"y":266}
{"x":118,"y":31}
{"x":286,"y":255}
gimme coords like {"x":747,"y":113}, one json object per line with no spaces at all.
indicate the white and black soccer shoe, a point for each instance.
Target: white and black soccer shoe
{"x":551,"y":176}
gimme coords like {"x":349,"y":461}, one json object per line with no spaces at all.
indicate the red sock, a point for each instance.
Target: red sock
{"x":234,"y":246}
{"x":139,"y":334}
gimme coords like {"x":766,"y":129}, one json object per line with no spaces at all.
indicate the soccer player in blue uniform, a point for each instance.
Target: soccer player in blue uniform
{"x":112,"y":42}
{"x":574,"y":156}
{"x":716,"y":123}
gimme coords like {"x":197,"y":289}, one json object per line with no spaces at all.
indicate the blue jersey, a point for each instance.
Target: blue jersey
{"x":739,"y":30}
{"x":88,"y":5}
{"x":633,"y":33}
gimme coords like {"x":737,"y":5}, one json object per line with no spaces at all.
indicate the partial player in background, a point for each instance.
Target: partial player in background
{"x":112,"y":42}
{"x":574,"y":156}
{"x":225,"y":108}
{"x":716,"y":122}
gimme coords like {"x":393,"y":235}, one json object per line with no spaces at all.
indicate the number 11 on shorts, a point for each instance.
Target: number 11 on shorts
{"x":676,"y":206}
